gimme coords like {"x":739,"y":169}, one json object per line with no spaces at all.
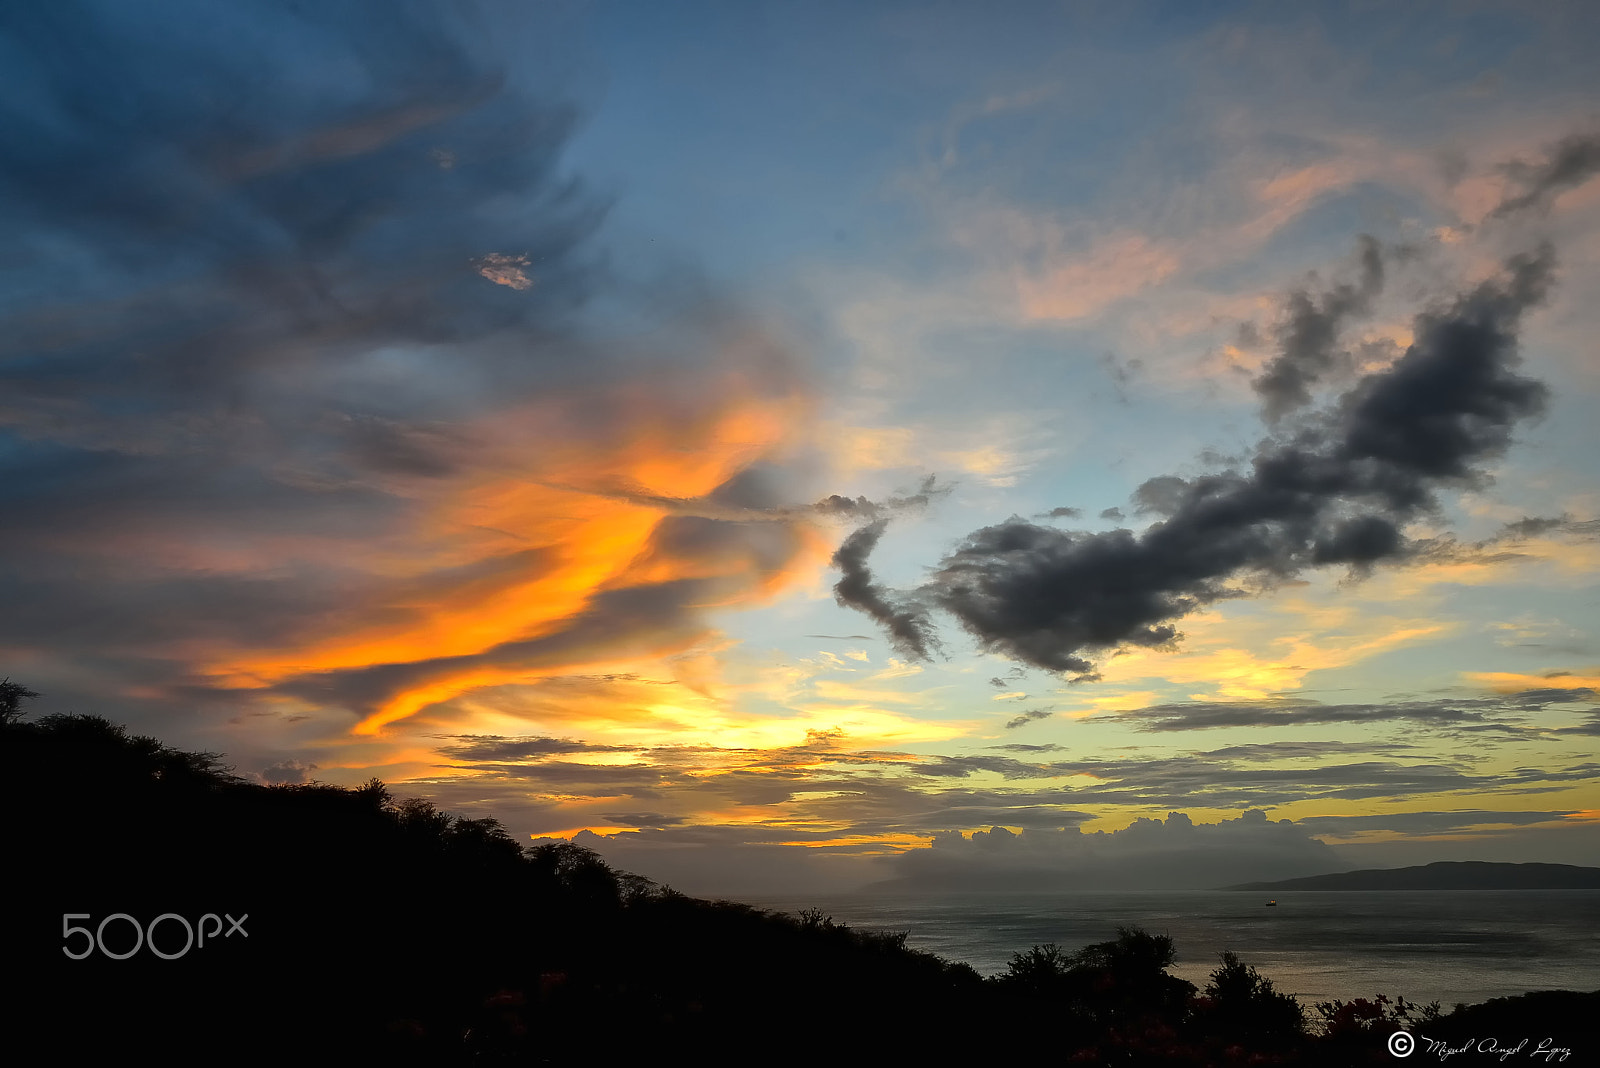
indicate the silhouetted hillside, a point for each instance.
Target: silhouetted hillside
{"x":1446,"y":875}
{"x":347,"y":926}
{"x":382,"y":925}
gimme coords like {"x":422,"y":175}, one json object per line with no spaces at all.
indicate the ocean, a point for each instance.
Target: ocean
{"x":1446,"y":946}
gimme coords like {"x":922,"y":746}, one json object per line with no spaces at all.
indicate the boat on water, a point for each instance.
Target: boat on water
{"x":1270,"y":904}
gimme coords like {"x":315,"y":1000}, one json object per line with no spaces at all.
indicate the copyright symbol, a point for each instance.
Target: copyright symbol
{"x":1401,"y":1044}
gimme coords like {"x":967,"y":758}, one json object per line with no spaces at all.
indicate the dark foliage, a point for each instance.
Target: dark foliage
{"x":12,"y":695}
{"x":1239,"y":1001}
{"x":385,"y":931}
{"x":384,"y":928}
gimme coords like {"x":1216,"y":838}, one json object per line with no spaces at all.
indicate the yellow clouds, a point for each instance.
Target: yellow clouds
{"x":861,"y":448}
{"x":1261,"y":647}
{"x":726,"y":697}
{"x":1268,"y":651}
{"x":994,"y":452}
{"x":1550,"y":561}
{"x":637,"y":748}
{"x":671,"y":716}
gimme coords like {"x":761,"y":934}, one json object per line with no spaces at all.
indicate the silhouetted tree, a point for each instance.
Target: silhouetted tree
{"x":374,"y":793}
{"x":1128,"y":977}
{"x":1242,"y":1003}
{"x":577,"y":870}
{"x":1134,"y":953}
{"x":1041,"y":970}
{"x":11,"y":697}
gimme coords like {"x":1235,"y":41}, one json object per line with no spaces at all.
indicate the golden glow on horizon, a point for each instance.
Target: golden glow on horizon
{"x":866,"y":845}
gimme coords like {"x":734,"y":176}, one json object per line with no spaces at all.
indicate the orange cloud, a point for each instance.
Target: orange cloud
{"x":564,"y":502}
{"x":1516,"y":682}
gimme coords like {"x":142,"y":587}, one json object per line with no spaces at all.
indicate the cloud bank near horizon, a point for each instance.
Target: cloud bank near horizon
{"x":1171,"y":853}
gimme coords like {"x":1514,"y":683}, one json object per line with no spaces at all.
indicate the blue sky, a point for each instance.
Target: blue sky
{"x":450,"y":398}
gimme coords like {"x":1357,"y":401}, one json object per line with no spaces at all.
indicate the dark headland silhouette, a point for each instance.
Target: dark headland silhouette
{"x":347,"y":926}
{"x":1446,"y":875}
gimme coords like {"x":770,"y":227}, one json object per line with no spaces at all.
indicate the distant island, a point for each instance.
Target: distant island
{"x":1446,"y":875}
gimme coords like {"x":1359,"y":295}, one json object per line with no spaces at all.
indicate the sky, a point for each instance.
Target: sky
{"x":806,"y":445}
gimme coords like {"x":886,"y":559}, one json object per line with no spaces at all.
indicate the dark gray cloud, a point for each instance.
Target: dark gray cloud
{"x":228,"y":236}
{"x":1028,"y":717}
{"x":961,"y":766}
{"x":1540,"y":526}
{"x":287,"y":771}
{"x":1574,"y":773}
{"x":1063,"y":513}
{"x":1113,"y":513}
{"x":1174,"y":781}
{"x":756,"y":493}
{"x":1570,"y":162}
{"x":1308,"y":336}
{"x":1553,"y":695}
{"x":1204,"y":716}
{"x":910,"y":631}
{"x":485,"y":747}
{"x":862,"y":508}
{"x":1504,"y":545}
{"x":846,"y":506}
{"x":1590,"y":726}
{"x":1336,"y":491}
{"x":1506,"y":713}
{"x":1011,"y":678}
{"x":644,"y":819}
{"x":1149,"y":853}
{"x":586,"y":780}
{"x":1303,"y":750}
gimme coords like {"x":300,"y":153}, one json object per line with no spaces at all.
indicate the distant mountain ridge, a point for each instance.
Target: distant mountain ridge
{"x":1446,"y":875}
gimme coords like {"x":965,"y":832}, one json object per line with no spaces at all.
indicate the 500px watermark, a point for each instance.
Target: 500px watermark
{"x":145,"y":936}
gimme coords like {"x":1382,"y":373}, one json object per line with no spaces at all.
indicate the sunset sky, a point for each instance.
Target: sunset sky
{"x":769,"y":437}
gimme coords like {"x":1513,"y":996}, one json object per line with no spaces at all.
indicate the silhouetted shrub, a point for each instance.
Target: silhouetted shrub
{"x":1239,"y":1002}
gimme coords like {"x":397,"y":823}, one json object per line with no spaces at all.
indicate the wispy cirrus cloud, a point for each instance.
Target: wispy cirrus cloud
{"x":1508,"y":714}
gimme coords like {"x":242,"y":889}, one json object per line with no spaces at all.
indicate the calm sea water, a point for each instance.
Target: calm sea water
{"x":1456,"y":946}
